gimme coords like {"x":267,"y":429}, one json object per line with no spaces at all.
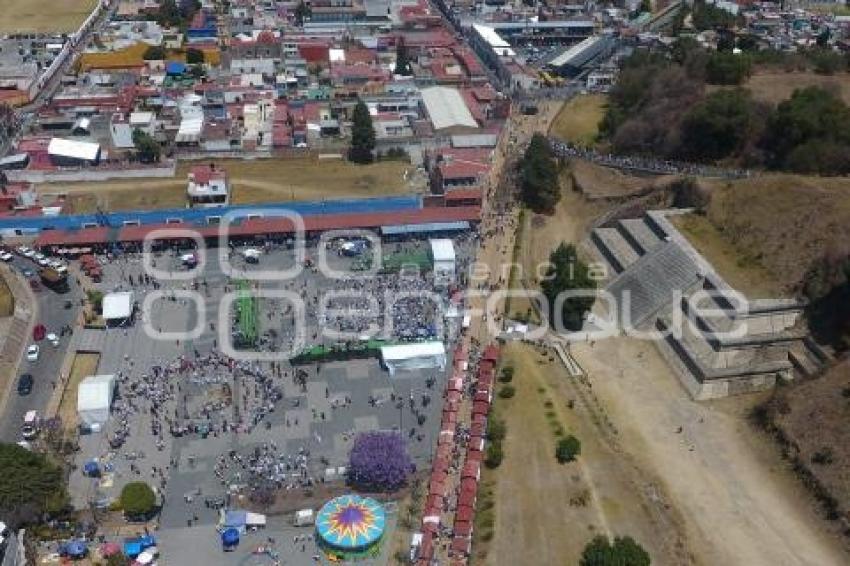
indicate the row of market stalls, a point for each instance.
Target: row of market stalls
{"x":449,"y":480}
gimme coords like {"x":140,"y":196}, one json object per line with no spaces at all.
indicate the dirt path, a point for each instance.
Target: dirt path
{"x":739,"y":502}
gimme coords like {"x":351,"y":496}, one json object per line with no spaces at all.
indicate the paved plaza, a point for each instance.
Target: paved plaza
{"x":206,"y":430}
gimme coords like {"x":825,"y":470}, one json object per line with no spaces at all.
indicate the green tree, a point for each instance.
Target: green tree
{"x":567,"y":273}
{"x":507,"y":391}
{"x":811,"y":121}
{"x":539,"y":176}
{"x":154,"y":53}
{"x":567,"y":449}
{"x":623,"y":552}
{"x":496,"y":429}
{"x":138,"y":500}
{"x":31,"y":485}
{"x":709,"y":17}
{"x":718,"y":126}
{"x":147,"y":148}
{"x":494,"y":455}
{"x":362,"y":135}
{"x":302,"y":13}
{"x":402,"y":60}
{"x":194,"y":56}
{"x":507,"y":374}
{"x":728,"y":68}
{"x":168,"y":13}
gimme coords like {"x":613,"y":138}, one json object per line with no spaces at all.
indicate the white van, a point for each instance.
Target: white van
{"x":304,"y":518}
{"x":29,"y":430}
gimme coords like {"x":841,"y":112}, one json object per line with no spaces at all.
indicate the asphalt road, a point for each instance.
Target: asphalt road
{"x":53,"y":315}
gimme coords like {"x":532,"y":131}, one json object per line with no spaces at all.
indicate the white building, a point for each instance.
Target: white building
{"x":207,"y":187}
{"x":73,"y":152}
{"x":118,"y":308}
{"x":447,"y":109}
{"x":94,"y":400}
{"x":445,"y":268}
{"x":420,"y":355}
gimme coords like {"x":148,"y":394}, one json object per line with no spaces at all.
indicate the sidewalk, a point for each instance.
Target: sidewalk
{"x":15,"y":340}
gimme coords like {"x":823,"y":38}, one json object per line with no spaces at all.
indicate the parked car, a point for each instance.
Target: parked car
{"x":25,"y":384}
{"x":32,"y":353}
{"x":28,"y":272}
{"x":29,"y":430}
{"x":6,"y":256}
{"x":53,"y":339}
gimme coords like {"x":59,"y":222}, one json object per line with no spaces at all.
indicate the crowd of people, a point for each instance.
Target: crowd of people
{"x":646,"y":164}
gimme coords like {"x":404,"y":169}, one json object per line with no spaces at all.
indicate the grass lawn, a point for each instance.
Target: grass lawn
{"x":740,"y":268}
{"x":257,"y":181}
{"x":773,"y":85}
{"x":532,"y":510}
{"x":43,"y":16}
{"x":578,"y":120}
{"x":85,"y":364}
{"x":7,"y":301}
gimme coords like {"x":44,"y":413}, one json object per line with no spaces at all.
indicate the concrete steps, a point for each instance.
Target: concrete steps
{"x":637,"y":232}
{"x":616,"y":250}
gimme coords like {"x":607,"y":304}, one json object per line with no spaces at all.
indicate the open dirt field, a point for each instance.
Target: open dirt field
{"x":541,"y":234}
{"x":813,"y":417}
{"x":43,"y":16}
{"x":578,"y":120}
{"x":597,"y":182}
{"x":266,"y":180}
{"x":546,"y":512}
{"x":782,"y":221}
{"x":84,"y":365}
{"x":740,"y":503}
{"x":739,"y":267}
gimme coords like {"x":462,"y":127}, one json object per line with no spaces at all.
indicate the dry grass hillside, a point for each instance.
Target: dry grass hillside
{"x":812,"y":418}
{"x":785,"y":222}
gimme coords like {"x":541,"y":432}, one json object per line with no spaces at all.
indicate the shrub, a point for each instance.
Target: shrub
{"x":154,"y":53}
{"x":507,"y":392}
{"x":194,"y":56}
{"x":494,"y":455}
{"x":623,"y":552}
{"x":507,"y":374}
{"x":138,"y":500}
{"x":496,"y":429}
{"x":568,"y":449}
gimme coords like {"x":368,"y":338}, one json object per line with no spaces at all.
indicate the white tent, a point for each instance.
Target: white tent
{"x":255,"y":520}
{"x":94,"y":398}
{"x":422,"y":355}
{"x":443,"y":254}
{"x":118,"y":306}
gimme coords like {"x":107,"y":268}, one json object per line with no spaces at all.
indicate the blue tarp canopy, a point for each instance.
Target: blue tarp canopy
{"x":235,"y":519}
{"x":230,"y":537}
{"x":175,"y":68}
{"x":75,"y":549}
{"x":132,"y":548}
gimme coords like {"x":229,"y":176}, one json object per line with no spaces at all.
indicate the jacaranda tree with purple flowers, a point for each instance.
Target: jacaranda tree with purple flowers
{"x":379,"y":461}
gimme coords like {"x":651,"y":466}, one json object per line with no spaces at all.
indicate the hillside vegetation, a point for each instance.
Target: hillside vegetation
{"x":798,"y":228}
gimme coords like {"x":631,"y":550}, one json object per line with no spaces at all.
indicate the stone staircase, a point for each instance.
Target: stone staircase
{"x":720,"y":342}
